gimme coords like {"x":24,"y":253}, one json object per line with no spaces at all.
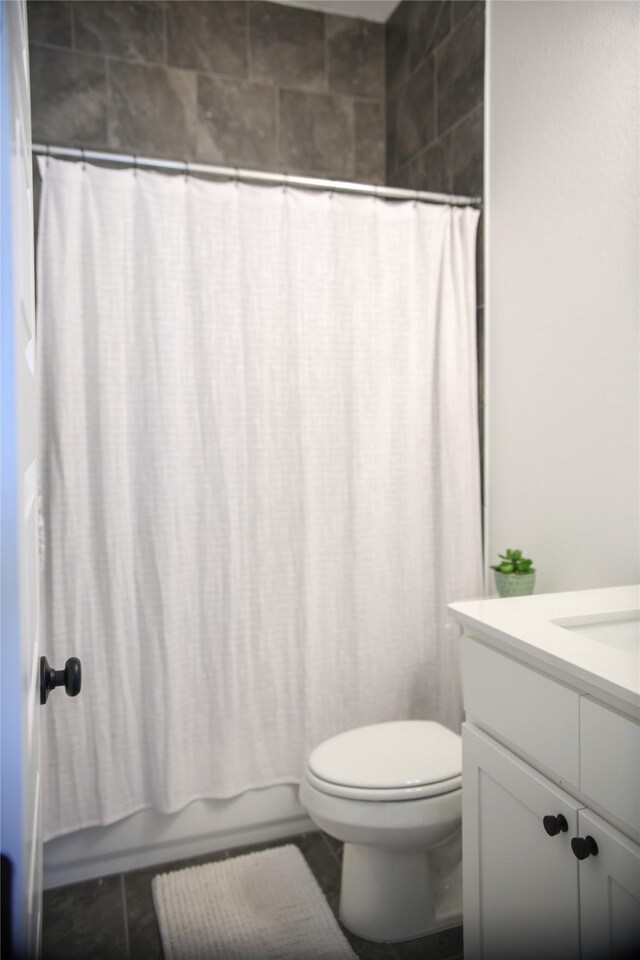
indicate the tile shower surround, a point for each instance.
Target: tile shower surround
{"x":434,"y":95}
{"x":113,"y":918}
{"x":237,"y":83}
{"x":435,"y":112}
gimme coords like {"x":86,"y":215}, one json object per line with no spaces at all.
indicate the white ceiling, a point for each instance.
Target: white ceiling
{"x":377,"y":10}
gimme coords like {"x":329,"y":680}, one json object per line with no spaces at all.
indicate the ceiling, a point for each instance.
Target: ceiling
{"x":377,"y":10}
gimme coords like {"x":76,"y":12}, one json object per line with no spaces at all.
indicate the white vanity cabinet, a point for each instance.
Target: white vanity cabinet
{"x":609,"y":893}
{"x":520,"y":886}
{"x":551,"y":802}
{"x":526,"y":895}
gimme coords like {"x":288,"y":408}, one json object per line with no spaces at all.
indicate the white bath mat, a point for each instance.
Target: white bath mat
{"x":263,"y":905}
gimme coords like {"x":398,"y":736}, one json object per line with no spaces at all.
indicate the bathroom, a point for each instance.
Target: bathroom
{"x":515,"y":122}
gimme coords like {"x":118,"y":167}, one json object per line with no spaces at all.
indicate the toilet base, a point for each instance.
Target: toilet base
{"x":387,"y":895}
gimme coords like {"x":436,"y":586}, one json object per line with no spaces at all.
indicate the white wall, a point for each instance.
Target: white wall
{"x":562,"y":241}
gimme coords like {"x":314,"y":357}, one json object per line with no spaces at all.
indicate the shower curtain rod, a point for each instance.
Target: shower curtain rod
{"x":255,"y":176}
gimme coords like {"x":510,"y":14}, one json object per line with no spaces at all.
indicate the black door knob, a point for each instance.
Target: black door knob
{"x":554,"y":825}
{"x":70,"y":678}
{"x":584,"y":847}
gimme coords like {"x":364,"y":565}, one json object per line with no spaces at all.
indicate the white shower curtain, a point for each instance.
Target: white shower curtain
{"x":259,"y":475}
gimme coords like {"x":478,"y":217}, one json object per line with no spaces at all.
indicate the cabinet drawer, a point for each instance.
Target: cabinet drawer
{"x":610,"y":761}
{"x":535,"y":715}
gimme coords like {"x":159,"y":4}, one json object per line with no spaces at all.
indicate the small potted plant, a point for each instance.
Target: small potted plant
{"x":515,"y":575}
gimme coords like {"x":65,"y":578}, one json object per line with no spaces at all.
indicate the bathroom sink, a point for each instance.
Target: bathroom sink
{"x":620,"y":631}
{"x":589,"y":637}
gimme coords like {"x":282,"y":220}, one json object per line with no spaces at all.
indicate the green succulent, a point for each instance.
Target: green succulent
{"x":513,"y":562}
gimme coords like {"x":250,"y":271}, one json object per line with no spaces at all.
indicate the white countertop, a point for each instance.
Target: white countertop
{"x":603,"y":660}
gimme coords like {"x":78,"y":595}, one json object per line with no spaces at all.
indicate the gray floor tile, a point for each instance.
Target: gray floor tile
{"x":369,"y":949}
{"x":88,"y":919}
{"x":172,"y":865}
{"x":324,"y":866}
{"x":85,"y":920}
{"x":144,"y":934}
{"x":445,"y":945}
{"x":334,"y":845}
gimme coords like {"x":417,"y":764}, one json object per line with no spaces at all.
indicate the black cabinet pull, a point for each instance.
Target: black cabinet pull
{"x":584,"y":847}
{"x":555,"y":825}
{"x":70,"y":678}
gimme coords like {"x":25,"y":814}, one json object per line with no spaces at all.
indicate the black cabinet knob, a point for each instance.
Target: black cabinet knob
{"x":584,"y":847}
{"x":70,"y":678}
{"x":554,"y":825}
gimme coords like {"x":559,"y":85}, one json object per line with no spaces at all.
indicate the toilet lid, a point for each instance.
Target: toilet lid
{"x":405,"y":753}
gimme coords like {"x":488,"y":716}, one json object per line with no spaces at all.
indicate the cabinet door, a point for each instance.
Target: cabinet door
{"x":520,"y":885}
{"x":609,"y":893}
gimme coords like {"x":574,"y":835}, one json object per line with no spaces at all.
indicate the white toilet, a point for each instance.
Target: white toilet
{"x":390,"y":791}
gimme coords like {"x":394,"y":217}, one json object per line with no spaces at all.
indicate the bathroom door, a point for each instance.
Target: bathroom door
{"x":21,"y":817}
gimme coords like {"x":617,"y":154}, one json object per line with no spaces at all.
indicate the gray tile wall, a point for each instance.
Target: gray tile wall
{"x":435,"y":91}
{"x":435,"y":97}
{"x":250,"y":84}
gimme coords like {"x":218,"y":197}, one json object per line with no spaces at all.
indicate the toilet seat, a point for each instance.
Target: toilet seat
{"x":400,"y":760}
{"x":379,"y":795}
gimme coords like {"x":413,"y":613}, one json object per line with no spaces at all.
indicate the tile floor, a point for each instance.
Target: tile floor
{"x":114,"y":919}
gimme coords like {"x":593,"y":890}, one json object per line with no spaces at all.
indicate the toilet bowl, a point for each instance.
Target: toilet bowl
{"x":390,"y":792}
